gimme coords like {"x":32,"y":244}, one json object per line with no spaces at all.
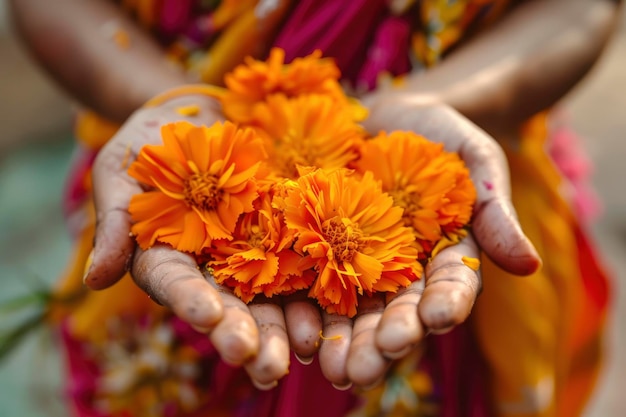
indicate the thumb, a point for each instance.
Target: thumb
{"x":113,"y":245}
{"x":499,"y":234}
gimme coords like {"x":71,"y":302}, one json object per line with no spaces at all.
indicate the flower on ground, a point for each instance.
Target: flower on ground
{"x":431,"y":185}
{"x":249,"y":84}
{"x":308,"y":130}
{"x":353,"y":237}
{"x":201,"y":180}
{"x":259,"y":259}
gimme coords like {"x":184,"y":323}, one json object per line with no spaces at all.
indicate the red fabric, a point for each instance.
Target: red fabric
{"x":460,"y":374}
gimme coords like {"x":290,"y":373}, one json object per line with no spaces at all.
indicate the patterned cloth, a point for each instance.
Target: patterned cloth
{"x":532,"y":347}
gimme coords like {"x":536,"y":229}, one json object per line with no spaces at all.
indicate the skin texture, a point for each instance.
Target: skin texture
{"x":523,"y":65}
{"x":71,"y":43}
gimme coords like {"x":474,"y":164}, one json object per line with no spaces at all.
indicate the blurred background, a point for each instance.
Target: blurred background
{"x":36,"y":146}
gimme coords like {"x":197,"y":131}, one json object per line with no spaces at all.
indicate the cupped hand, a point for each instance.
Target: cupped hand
{"x":253,"y":336}
{"x":114,"y":247}
{"x":259,"y":336}
{"x":360,"y":351}
{"x":494,"y":223}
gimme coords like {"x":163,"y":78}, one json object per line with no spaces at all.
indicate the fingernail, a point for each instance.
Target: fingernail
{"x":88,"y":263}
{"x":372,"y":386}
{"x":344,"y":387}
{"x":264,"y":387}
{"x":304,"y":360}
{"x":441,"y":331}
{"x":200,"y":329}
{"x":397,"y":354}
{"x":529,"y":256}
{"x":154,"y":300}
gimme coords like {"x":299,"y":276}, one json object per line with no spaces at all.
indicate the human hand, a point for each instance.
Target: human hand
{"x":387,"y":329}
{"x":253,"y":335}
{"x":494,"y":223}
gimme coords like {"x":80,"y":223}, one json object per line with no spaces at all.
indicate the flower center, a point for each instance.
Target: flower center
{"x":408,"y":201}
{"x":287,"y":159}
{"x":345,"y":240}
{"x":256,"y":236}
{"x":201,"y":191}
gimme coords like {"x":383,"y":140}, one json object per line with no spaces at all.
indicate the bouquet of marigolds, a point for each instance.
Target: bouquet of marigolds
{"x":290,"y":193}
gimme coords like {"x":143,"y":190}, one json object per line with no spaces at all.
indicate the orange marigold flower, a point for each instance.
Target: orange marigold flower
{"x":201,"y":179}
{"x":351,"y":235}
{"x":249,"y":84}
{"x":259,"y":259}
{"x":431,"y":185}
{"x":308,"y":130}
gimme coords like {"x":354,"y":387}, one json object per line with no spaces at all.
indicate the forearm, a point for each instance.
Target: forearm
{"x":525,"y":64}
{"x":68,"y":38}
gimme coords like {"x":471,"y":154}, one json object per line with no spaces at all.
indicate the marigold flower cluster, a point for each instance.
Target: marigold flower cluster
{"x":290,"y":193}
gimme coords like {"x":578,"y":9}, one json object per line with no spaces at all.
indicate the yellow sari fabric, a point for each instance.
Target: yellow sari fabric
{"x":541,"y":334}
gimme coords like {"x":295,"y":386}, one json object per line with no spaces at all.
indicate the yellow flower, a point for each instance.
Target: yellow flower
{"x":201,"y":180}
{"x":249,"y":84}
{"x":259,"y":259}
{"x":351,"y":235}
{"x":431,"y":185}
{"x":472,"y":263}
{"x":308,"y":130}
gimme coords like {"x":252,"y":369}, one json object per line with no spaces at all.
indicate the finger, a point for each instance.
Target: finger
{"x":451,"y":287}
{"x":500,"y":236}
{"x":236,"y":336}
{"x":304,"y":324}
{"x":366,"y":364}
{"x":400,"y":329}
{"x":272,"y":361}
{"x":173,"y":279}
{"x":113,"y":245}
{"x":334,"y":347}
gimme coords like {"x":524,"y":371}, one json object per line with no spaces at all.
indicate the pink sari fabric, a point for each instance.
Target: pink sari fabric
{"x":343,"y":31}
{"x":566,"y":151}
{"x":224,"y":389}
{"x":452,"y":360}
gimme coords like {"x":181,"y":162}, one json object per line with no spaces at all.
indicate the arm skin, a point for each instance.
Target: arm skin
{"x":524,"y":64}
{"x":87,"y":63}
{"x":495,"y":83}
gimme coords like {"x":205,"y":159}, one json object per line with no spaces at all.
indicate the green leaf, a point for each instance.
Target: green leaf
{"x":13,"y":337}
{"x":36,"y":298}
